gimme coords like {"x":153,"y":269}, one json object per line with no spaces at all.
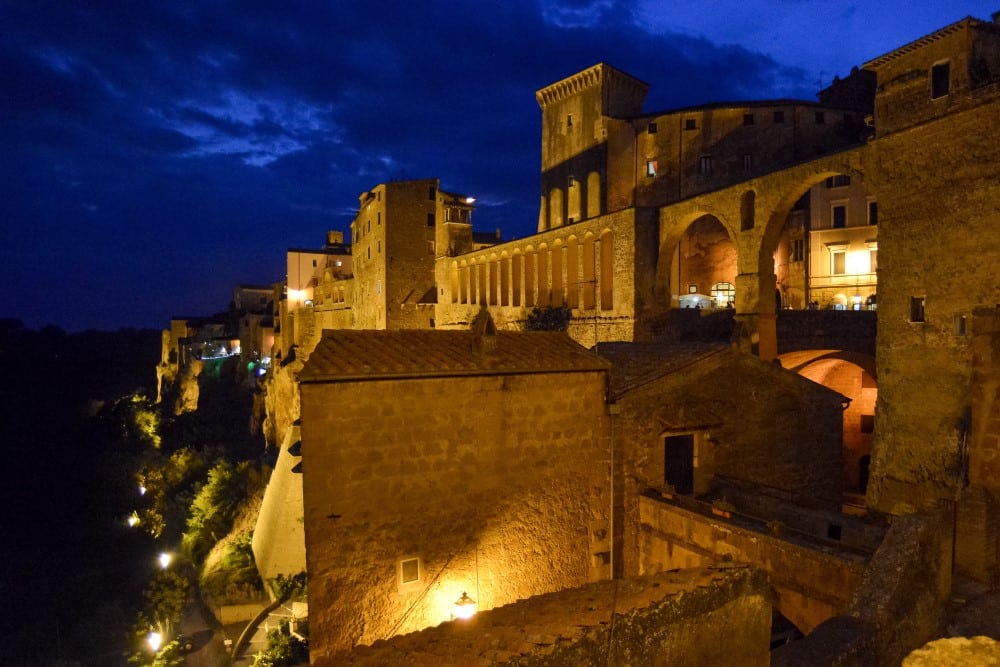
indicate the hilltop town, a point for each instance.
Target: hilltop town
{"x":666,"y":418}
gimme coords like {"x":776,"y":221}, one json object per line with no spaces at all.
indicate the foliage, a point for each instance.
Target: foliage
{"x":169,"y":488}
{"x":549,"y":319}
{"x":239,"y":552}
{"x":168,"y":656}
{"x":215,"y":506}
{"x":283,"y":649}
{"x":285,"y":587}
{"x":166,"y":595}
{"x":233,"y":578}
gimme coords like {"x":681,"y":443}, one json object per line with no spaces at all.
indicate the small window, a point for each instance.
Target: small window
{"x":339,"y":263}
{"x":378,"y":249}
{"x":838,"y":262}
{"x":409,"y":570}
{"x":779,"y":116}
{"x":839,"y":215}
{"x":431,"y":193}
{"x":798,"y":250}
{"x":873,"y":260}
{"x":917,"y":308}
{"x":692,"y":289}
{"x":651,"y":168}
{"x":705,"y":165}
{"x":569,"y":121}
{"x":430,"y":219}
{"x":379,"y":219}
{"x":314,"y":263}
{"x":820,"y":118}
{"x":872,"y":213}
{"x":378,"y":286}
{"x":867,"y":423}
{"x":961,"y":325}
{"x":747,"y":162}
{"x":369,"y":252}
{"x":940,"y":80}
{"x":651,"y":128}
{"x":748,"y":119}
{"x":833,"y":531}
{"x":571,"y":181}
{"x":838,"y":181}
{"x":368,"y":226}
{"x":690,"y":124}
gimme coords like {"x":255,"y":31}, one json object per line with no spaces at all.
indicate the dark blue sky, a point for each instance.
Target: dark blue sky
{"x":154,"y":154}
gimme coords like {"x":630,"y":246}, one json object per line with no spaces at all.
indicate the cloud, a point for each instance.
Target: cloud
{"x":175,"y":149}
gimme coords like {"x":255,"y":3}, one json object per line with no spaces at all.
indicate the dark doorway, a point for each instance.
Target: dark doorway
{"x":678,"y":462}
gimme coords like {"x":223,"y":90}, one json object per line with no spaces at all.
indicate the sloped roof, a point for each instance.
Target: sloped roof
{"x":345,"y":354}
{"x":637,"y":364}
{"x":964,"y":23}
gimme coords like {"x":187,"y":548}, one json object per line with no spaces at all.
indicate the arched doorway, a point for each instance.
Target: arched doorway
{"x":703,"y":259}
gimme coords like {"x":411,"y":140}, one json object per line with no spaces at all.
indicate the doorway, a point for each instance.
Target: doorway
{"x":678,"y":462}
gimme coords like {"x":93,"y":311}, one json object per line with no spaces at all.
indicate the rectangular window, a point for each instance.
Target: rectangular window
{"x":838,"y":214}
{"x":838,"y":262}
{"x":873,"y":260}
{"x":651,"y":128}
{"x":690,"y":124}
{"x":430,"y":219}
{"x":872,"y":213}
{"x":409,"y":572}
{"x":779,"y":116}
{"x":692,"y":289}
{"x":747,"y":162}
{"x":917,"y":308}
{"x":569,"y":121}
{"x":748,"y":119}
{"x":705,"y":165}
{"x":651,"y":166}
{"x":838,"y":181}
{"x":798,"y":250}
{"x":431,"y":193}
{"x":379,"y":218}
{"x":820,"y":118}
{"x":867,"y":423}
{"x":940,"y":80}
{"x":378,"y":286}
{"x":961,"y":325}
{"x":314,"y":263}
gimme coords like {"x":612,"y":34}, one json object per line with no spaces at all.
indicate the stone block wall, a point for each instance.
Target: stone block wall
{"x":809,"y":585}
{"x":498,"y":486}
{"x":279,"y":545}
{"x":689,"y":618}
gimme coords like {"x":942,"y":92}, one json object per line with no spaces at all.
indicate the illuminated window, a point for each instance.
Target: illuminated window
{"x":705,"y":165}
{"x":917,"y":308}
{"x":651,"y":166}
{"x":838,"y":262}
{"x":779,"y":116}
{"x":838,"y":213}
{"x":940,"y":80}
{"x":690,"y":124}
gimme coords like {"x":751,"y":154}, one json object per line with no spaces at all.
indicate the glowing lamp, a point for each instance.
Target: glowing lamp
{"x":465,"y":607}
{"x":132,"y":520}
{"x":142,"y":490}
{"x":165,"y":559}
{"x":154,"y":639}
{"x":470,"y":200}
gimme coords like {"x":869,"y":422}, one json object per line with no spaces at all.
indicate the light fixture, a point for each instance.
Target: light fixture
{"x":165,"y":559}
{"x":465,"y":607}
{"x":132,"y":520}
{"x":154,"y":639}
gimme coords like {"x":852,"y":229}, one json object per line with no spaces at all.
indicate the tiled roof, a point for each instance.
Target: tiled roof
{"x":636,"y":364}
{"x":345,"y":354}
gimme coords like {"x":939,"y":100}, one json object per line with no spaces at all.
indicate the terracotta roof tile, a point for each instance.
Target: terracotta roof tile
{"x":345,"y":354}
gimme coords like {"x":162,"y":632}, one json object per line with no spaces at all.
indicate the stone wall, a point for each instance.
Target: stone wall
{"x":498,"y":486}
{"x":689,"y":618}
{"x":279,"y":545}
{"x":809,"y":585}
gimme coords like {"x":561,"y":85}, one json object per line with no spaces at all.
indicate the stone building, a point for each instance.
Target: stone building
{"x":764,"y":206}
{"x":437,"y":463}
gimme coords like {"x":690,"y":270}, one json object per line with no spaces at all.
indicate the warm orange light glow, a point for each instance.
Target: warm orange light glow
{"x":465,"y":607}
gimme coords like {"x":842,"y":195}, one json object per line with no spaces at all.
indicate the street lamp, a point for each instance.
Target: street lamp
{"x":465,"y":607}
{"x":165,"y":559}
{"x":154,"y":639}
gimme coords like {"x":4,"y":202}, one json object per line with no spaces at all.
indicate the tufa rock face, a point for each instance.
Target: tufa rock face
{"x":188,"y":389}
{"x":957,"y":651}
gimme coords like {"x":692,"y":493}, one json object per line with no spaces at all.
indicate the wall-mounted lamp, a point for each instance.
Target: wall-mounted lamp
{"x":465,"y":607}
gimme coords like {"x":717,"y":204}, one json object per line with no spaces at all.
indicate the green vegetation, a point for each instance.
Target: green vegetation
{"x":215,"y":505}
{"x":283,"y":649}
{"x":549,"y":319}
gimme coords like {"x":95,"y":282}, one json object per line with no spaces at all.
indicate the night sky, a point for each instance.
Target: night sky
{"x":155,"y":154}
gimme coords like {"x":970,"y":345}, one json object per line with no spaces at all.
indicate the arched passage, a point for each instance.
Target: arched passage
{"x":852,"y":375}
{"x":703,"y":255}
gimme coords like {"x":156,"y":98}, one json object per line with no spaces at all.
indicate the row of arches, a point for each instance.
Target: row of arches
{"x":573,"y":272}
{"x":579,"y":200}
